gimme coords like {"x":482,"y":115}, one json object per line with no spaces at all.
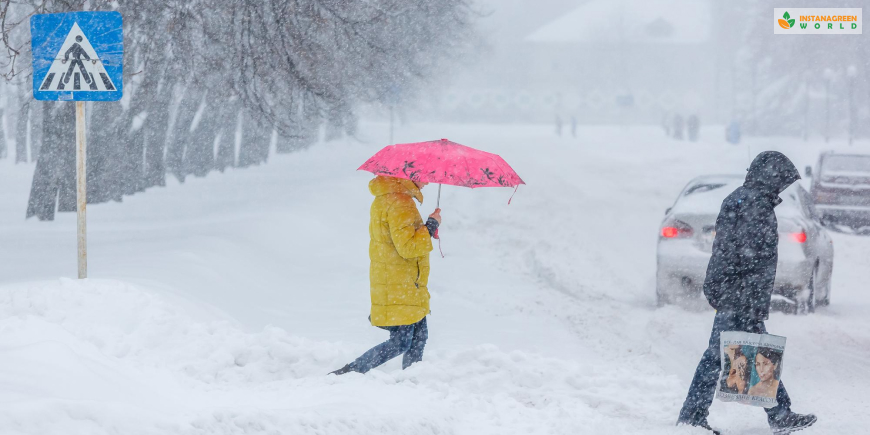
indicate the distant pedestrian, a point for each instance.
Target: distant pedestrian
{"x":732,"y":132}
{"x":693,"y":127}
{"x":558,"y":125}
{"x":573,"y":126}
{"x":678,"y":127}
{"x":399,"y":272}
{"x":666,"y":123}
{"x":739,"y":283}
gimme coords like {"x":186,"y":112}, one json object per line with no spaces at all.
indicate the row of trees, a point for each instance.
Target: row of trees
{"x":212,"y":84}
{"x":796,"y":85}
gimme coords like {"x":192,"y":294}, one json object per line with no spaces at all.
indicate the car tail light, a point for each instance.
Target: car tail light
{"x":676,"y":230}
{"x":670,"y":232}
{"x":800,"y":237}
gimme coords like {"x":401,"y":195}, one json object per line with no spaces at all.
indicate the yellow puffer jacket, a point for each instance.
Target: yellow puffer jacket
{"x":399,"y":253}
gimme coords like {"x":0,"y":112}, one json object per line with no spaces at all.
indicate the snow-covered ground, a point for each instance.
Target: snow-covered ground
{"x":218,"y":306}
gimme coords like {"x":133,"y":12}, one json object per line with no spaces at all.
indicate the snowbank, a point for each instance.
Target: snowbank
{"x":103,"y":356}
{"x":222,"y":303}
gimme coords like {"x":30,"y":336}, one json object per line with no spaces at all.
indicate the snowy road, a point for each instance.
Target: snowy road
{"x":217,"y":306}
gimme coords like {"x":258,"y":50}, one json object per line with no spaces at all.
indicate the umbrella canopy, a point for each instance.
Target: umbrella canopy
{"x":443,"y":162}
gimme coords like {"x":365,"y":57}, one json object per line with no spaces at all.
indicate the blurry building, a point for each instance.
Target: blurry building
{"x":603,"y":61}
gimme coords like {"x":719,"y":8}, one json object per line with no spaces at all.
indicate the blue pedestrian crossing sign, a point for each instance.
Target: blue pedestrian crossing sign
{"x":78,"y":56}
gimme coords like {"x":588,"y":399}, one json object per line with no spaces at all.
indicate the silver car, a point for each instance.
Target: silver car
{"x":841,"y":190}
{"x":806,"y":253}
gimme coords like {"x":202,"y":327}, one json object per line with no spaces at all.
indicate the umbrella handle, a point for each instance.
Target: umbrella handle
{"x":512,"y":195}
{"x":435,"y":236}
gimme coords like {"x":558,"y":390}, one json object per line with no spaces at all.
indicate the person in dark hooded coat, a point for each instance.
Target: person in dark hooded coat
{"x":740,"y":281}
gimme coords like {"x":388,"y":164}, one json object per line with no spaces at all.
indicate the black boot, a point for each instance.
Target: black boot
{"x":703,"y":424}
{"x":343,"y":370}
{"x":788,"y":422}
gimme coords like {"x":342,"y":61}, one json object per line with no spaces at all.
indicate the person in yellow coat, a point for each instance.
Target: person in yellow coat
{"x":399,"y":272}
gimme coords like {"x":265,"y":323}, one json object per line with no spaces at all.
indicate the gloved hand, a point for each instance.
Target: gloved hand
{"x":757,"y":316}
{"x":433,"y":222}
{"x":432,"y":226}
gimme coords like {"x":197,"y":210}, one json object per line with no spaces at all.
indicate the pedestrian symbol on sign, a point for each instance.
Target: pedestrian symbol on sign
{"x":77,"y":53}
{"x":77,"y":60}
{"x":64,"y":59}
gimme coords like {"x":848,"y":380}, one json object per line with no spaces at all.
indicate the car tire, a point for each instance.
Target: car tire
{"x":662,"y":299}
{"x":827,"y":299}
{"x":808,"y":306}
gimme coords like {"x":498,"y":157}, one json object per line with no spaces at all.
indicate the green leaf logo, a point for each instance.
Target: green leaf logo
{"x":786,"y":22}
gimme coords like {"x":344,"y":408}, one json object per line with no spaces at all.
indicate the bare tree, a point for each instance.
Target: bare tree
{"x":195,"y":70}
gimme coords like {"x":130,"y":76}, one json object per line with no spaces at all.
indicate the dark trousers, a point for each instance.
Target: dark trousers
{"x":405,"y":339}
{"x":700,"y":397}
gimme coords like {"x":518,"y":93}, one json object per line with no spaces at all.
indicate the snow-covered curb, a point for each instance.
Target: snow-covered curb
{"x":103,"y":356}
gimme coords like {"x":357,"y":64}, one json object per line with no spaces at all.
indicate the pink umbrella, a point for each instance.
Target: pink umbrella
{"x":443,"y":162}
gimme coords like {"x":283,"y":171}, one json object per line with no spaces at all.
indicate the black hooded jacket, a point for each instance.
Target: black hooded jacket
{"x":741,"y":272}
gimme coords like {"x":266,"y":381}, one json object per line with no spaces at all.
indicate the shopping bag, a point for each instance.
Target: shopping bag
{"x":751,"y":368}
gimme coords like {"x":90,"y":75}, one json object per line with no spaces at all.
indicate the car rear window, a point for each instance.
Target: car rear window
{"x":847,"y":164}
{"x":703,"y":187}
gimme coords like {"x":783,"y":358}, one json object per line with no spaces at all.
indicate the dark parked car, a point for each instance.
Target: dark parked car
{"x":806,"y":253}
{"x":841,"y":190}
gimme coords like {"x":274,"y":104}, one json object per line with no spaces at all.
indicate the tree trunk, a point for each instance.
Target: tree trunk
{"x":3,"y":149}
{"x":104,"y":152}
{"x":226,"y":153}
{"x":130,"y":144}
{"x":199,"y":158}
{"x":55,"y":169}
{"x":21,"y":132}
{"x":256,"y":138}
{"x":36,"y":129}
{"x":155,"y":131}
{"x":181,"y":133}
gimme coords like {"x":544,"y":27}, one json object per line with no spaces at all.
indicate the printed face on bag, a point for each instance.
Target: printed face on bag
{"x":765,"y":368}
{"x":738,"y":376}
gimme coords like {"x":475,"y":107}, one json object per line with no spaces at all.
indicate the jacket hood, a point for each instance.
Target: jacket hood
{"x":383,"y":185}
{"x":771,"y":172}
